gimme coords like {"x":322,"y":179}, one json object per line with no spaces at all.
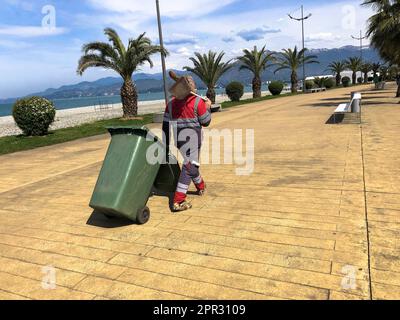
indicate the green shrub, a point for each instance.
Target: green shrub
{"x":360,"y":80}
{"x":320,"y":82}
{"x":324,"y":82}
{"x":330,"y":83}
{"x":346,"y":81}
{"x":276,"y":87}
{"x":310,"y":84}
{"x":34,"y":115}
{"x":234,"y":90}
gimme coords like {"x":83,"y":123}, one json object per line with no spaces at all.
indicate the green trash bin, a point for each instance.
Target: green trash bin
{"x":168,"y":176}
{"x":126,"y":179}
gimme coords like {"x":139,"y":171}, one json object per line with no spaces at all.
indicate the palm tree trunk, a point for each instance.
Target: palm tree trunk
{"x":354,"y":78}
{"x":294,"y":81}
{"x":211,"y":94}
{"x":338,"y":79}
{"x":257,"y":87}
{"x":129,"y":99}
{"x":366,"y":77}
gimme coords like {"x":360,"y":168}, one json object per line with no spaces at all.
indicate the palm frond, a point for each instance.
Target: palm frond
{"x":116,"y":41}
{"x":116,"y":56}
{"x":256,"y":61}
{"x":292,"y":59}
{"x":93,"y":60}
{"x":209,"y":67}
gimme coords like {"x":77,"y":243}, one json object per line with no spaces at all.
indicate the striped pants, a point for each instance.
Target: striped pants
{"x":190,"y":172}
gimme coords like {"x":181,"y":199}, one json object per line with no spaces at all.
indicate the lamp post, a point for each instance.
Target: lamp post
{"x":303,"y":41}
{"x":164,"y":69}
{"x":360,"y":38}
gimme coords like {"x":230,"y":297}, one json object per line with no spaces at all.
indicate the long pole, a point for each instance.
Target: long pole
{"x":361,"y":38}
{"x":164,"y":69}
{"x":361,"y":46}
{"x":303,"y":41}
{"x":304,"y":66}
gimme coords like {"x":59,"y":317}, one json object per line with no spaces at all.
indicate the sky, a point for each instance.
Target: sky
{"x":41,"y":40}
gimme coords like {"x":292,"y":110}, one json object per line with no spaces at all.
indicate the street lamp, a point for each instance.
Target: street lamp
{"x":302,"y":30}
{"x":164,"y":69}
{"x":360,"y":38}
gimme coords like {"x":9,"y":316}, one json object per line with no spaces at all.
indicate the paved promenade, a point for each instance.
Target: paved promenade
{"x":318,"y":219}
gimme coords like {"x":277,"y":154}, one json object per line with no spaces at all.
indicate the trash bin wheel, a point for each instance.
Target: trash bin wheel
{"x":143,"y":215}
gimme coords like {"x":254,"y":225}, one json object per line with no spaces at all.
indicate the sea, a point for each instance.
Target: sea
{"x":72,"y":103}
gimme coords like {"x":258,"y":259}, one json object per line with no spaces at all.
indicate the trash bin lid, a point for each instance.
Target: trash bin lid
{"x":128,"y":130}
{"x":142,"y":131}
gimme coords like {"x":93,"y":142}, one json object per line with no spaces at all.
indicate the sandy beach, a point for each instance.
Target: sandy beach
{"x":78,"y":116}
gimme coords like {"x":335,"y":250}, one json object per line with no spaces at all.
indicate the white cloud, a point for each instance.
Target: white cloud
{"x":184,"y":51}
{"x":322,"y":36}
{"x":228,"y":39}
{"x":236,"y":52}
{"x":256,"y":33}
{"x":180,"y":39}
{"x":24,"y":5}
{"x":10,"y":44}
{"x":169,"y":8}
{"x":28,"y":32}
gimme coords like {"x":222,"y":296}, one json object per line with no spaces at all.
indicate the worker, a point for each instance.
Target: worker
{"x":187,"y":116}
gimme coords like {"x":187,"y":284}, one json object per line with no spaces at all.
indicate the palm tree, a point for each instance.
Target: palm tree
{"x":375,"y":67}
{"x":321,"y":81}
{"x":292,"y":60}
{"x":256,"y":62}
{"x":384,"y":72}
{"x":337,"y":67}
{"x":365,"y":69}
{"x":354,"y":64}
{"x":209,"y":68}
{"x":125,"y":61}
{"x":384,"y":30}
{"x":393,"y":71}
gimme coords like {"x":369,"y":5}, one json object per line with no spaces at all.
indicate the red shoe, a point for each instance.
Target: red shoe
{"x":201,"y":189}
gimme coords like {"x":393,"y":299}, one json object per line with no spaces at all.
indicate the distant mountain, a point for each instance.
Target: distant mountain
{"x":111,"y":86}
{"x":325,"y":57}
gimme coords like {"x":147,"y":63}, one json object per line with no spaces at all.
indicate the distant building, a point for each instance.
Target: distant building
{"x":324,"y":76}
{"x":343,"y":74}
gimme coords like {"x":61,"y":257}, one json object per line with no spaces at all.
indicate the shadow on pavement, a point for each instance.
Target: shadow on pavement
{"x":100,"y":220}
{"x":169,"y":195}
{"x":335,"y":119}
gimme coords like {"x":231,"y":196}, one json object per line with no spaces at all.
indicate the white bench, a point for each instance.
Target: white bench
{"x":216,"y":108}
{"x":313,"y":90}
{"x":346,"y":107}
